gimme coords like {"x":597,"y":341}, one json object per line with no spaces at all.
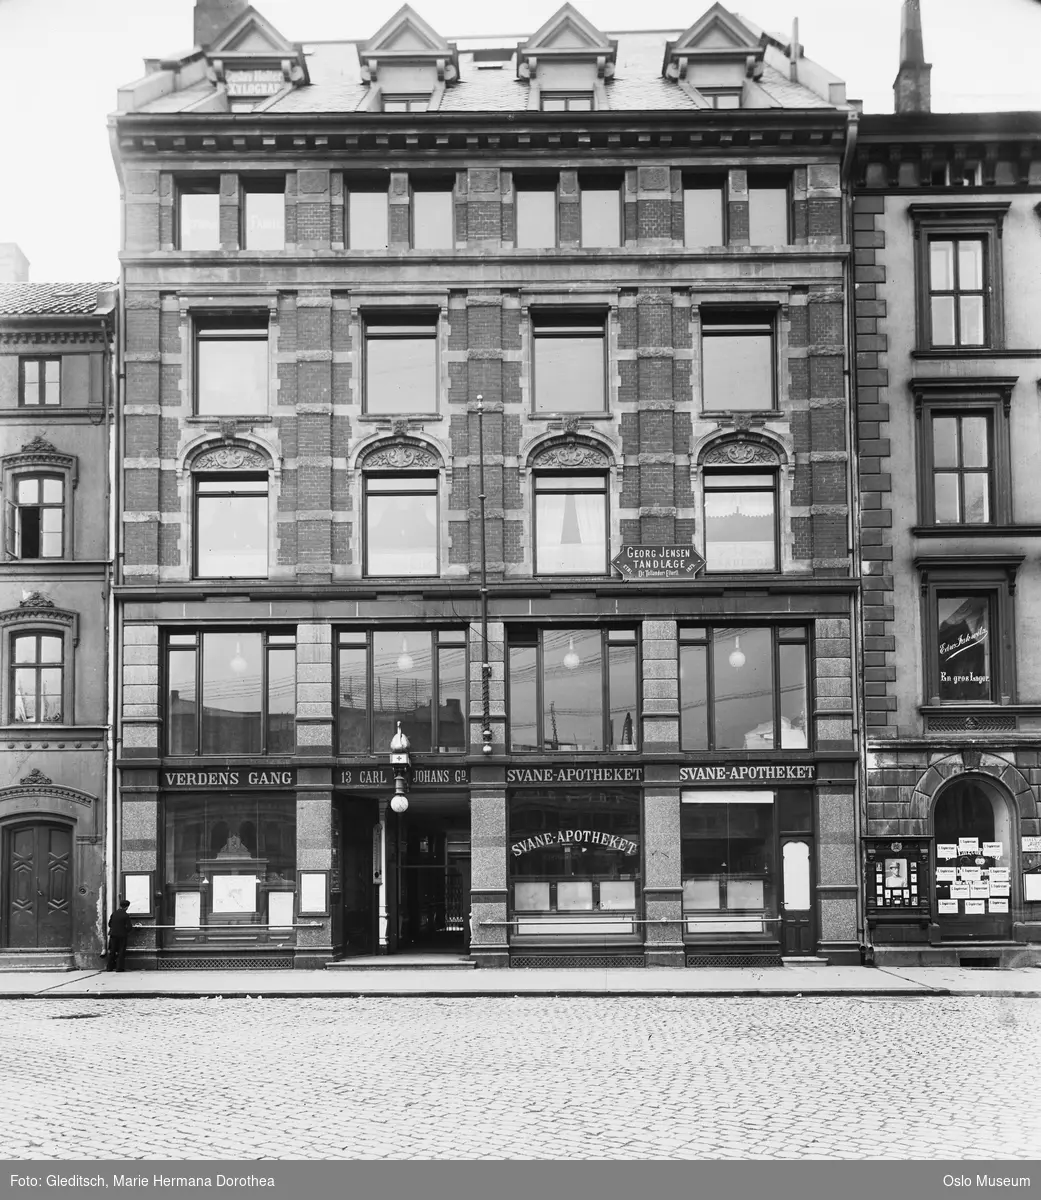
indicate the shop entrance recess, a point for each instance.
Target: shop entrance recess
{"x":974,"y":836}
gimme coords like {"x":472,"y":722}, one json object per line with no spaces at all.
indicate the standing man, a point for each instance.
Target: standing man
{"x":119,"y":926}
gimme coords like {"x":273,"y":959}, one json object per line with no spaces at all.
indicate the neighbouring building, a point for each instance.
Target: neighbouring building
{"x":948,"y":317}
{"x":496,"y":390}
{"x":56,"y":354}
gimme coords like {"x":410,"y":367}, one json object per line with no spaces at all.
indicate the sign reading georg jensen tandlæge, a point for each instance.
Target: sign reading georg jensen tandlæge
{"x":658,"y":562}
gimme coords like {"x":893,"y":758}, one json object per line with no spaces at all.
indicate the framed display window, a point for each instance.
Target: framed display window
{"x":313,"y":893}
{"x":139,"y":889}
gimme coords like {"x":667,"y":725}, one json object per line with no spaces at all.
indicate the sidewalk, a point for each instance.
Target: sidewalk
{"x":905,"y":982}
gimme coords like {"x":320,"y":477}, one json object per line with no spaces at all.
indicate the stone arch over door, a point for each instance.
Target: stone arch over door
{"x":991,"y":766}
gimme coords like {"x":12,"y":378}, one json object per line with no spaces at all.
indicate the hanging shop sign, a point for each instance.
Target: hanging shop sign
{"x":364,"y":778}
{"x":575,"y":837}
{"x":230,"y":777}
{"x":538,"y":776}
{"x":658,"y":562}
{"x":749,"y":773}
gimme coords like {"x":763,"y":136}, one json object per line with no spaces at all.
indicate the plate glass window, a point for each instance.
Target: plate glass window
{"x":432,"y":215}
{"x":740,"y":521}
{"x":41,"y":382}
{"x":401,"y":363}
{"x":401,"y":525}
{"x":231,"y":365}
{"x":964,"y":624}
{"x":535,"y":203}
{"x":231,"y":527}
{"x":737,"y":353}
{"x":367,"y":215}
{"x":569,"y":366}
{"x":767,"y":214}
{"x":570,"y":524}
{"x":264,"y":214}
{"x":601,"y":215}
{"x":956,"y":291}
{"x":961,"y":460}
{"x":703,"y":214}
{"x":198,"y":216}
{"x":37,"y":517}
{"x":36,"y":679}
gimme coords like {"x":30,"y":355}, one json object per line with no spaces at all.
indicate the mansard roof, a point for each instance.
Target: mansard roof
{"x":42,"y":299}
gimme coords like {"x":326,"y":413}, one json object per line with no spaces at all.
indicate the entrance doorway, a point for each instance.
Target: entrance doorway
{"x":973,"y":829}
{"x":798,"y":937}
{"x":433,"y":877}
{"x":37,"y":868}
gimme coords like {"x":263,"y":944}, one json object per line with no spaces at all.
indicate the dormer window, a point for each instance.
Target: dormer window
{"x":722,"y":97}
{"x":567,"y":101}
{"x":413,"y":104}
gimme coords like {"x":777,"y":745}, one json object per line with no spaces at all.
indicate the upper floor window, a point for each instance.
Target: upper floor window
{"x":198,"y":215}
{"x":768,"y":212}
{"x":570,"y":524}
{"x":414,"y":676}
{"x":231,"y":692}
{"x":37,"y":684}
{"x":36,"y":518}
{"x":566,"y":101}
{"x":401,"y":361}
{"x":573,"y":689}
{"x":400,"y":102}
{"x":367,"y":213}
{"x":40,"y":382}
{"x":569,"y":369}
{"x":959,"y":275}
{"x":231,"y":364}
{"x":744,"y":688}
{"x":231,"y":527}
{"x":535,"y":208}
{"x":961,"y":468}
{"x":601,"y":216}
{"x":433,"y":218}
{"x":401,"y":525}
{"x":740,"y":521}
{"x":722,"y":97}
{"x":264,"y":214}
{"x":703,"y":212}
{"x":737,"y":353}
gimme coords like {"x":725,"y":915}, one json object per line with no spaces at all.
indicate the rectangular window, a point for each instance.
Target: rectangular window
{"x":956,"y":291}
{"x":569,"y":369}
{"x":740,"y":521}
{"x":964,"y":643}
{"x":231,"y":364}
{"x":231,"y":693}
{"x":722,"y":97}
{"x":570,"y":525}
{"x":566,"y":101}
{"x":961,"y":461}
{"x":231,"y":527}
{"x":368,"y":213}
{"x":264,"y":214}
{"x":38,"y":517}
{"x":573,"y":690}
{"x":744,"y":688}
{"x":36,"y":679}
{"x":416,"y":677}
{"x":703,"y":209}
{"x":601,"y":215}
{"x":737,"y":352}
{"x":535,"y":206}
{"x":40,"y":382}
{"x":433,"y":222}
{"x":401,"y":525}
{"x":416,"y":103}
{"x":198,"y":215}
{"x":401,"y":362}
{"x":768,"y":205}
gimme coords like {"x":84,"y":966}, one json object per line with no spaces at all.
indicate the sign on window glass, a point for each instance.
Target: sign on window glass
{"x":964,"y":647}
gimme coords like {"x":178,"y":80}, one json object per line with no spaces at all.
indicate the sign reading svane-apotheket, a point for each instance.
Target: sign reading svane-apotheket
{"x":749,"y":773}
{"x":575,"y":837}
{"x":562,"y":774}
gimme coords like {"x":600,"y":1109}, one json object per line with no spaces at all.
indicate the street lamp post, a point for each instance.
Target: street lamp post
{"x":486,"y":666}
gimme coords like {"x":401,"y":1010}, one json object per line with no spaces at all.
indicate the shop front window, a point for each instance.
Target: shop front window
{"x":964,"y":647}
{"x":973,"y":861}
{"x":227,"y":859}
{"x":575,"y":863}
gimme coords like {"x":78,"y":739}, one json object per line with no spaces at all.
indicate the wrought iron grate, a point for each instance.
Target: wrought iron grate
{"x":225,"y":964}
{"x":577,"y":960}
{"x":734,"y":960}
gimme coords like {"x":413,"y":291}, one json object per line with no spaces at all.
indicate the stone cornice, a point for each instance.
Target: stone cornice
{"x":50,"y":337}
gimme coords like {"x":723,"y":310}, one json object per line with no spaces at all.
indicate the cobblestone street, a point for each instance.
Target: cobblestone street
{"x":526,"y":1077}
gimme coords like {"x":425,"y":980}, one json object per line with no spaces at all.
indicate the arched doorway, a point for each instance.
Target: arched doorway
{"x":973,"y":825}
{"x":37,"y":869}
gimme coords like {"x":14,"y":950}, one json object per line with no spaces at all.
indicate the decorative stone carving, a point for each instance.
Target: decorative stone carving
{"x":571,"y":455}
{"x":402,"y":457}
{"x":39,"y":445}
{"x":231,"y":458}
{"x":400,"y":427}
{"x":35,"y":778}
{"x":741,"y":454}
{"x":571,"y":425}
{"x":35,"y":600}
{"x":40,"y":452}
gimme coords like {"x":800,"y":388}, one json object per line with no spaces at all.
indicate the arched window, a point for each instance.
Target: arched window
{"x":741,"y":503}
{"x":231,"y":514}
{"x":571,"y":517}
{"x":38,"y":647}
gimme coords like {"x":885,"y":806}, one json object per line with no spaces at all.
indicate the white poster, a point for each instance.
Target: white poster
{"x":993,"y":849}
{"x":998,"y":889}
{"x":959,"y":891}
{"x":138,"y":890}
{"x":948,"y":906}
{"x":312,"y":891}
{"x":1032,"y":887}
{"x":234,"y":894}
{"x":1032,"y":845}
{"x":979,"y":891}
{"x":975,"y":907}
{"x":946,"y":850}
{"x":970,"y":873}
{"x":280,"y":910}
{"x":999,"y":874}
{"x":187,"y":909}
{"x":968,"y":845}
{"x":946,"y":874}
{"x":999,"y":906}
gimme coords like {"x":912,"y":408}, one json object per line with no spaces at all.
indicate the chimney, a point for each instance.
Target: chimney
{"x":14,"y":266}
{"x":911,"y":86}
{"x":212,"y":17}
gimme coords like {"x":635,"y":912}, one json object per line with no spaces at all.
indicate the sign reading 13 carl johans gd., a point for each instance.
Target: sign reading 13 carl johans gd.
{"x":658,"y":562}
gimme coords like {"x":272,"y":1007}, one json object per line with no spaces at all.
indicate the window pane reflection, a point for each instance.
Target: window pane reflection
{"x":728,"y":863}
{"x":572,"y":690}
{"x":571,"y":533}
{"x":451,"y":698}
{"x":232,"y":682}
{"x":523,"y":702}
{"x":402,"y":688}
{"x":231,"y":529}
{"x":401,"y":530}
{"x":265,"y":221}
{"x":199,"y":220}
{"x":182,"y":714}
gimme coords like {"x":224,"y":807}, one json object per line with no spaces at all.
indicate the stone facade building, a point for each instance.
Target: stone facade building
{"x":421,"y":339}
{"x":56,"y":346}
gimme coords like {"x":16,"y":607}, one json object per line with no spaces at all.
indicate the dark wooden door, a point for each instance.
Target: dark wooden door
{"x":359,"y":889}
{"x":38,"y":869}
{"x":798,"y":932}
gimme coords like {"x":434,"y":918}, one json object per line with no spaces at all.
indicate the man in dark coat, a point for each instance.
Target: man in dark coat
{"x":119,"y":926}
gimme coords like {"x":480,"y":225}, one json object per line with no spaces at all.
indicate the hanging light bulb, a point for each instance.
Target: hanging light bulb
{"x":737,"y":655}
{"x":405,"y":662}
{"x":238,"y":660}
{"x":571,"y":659}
